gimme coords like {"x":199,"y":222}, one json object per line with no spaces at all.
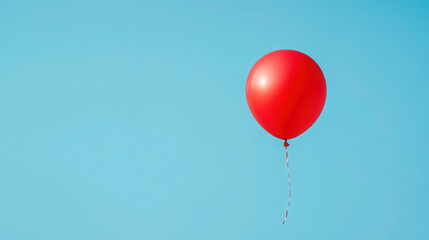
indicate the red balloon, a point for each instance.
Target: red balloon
{"x":286,"y":92}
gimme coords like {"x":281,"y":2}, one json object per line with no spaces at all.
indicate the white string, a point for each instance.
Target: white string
{"x":288,"y":178}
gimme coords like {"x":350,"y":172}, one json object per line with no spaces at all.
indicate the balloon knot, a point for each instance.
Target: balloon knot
{"x":286,"y":144}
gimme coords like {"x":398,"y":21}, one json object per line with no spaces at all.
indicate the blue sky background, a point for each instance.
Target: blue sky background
{"x":128,"y":120}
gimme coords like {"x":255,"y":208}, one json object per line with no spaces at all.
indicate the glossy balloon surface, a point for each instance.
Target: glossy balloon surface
{"x":286,"y":92}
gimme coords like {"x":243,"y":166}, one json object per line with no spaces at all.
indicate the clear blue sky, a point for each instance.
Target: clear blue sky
{"x":128,"y":120}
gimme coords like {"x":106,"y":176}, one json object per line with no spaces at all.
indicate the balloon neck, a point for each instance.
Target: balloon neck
{"x":286,"y":144}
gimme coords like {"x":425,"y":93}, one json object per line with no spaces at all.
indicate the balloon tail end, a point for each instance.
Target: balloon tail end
{"x":286,"y":144}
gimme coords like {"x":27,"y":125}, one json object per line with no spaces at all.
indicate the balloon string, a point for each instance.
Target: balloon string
{"x":288,"y":178}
